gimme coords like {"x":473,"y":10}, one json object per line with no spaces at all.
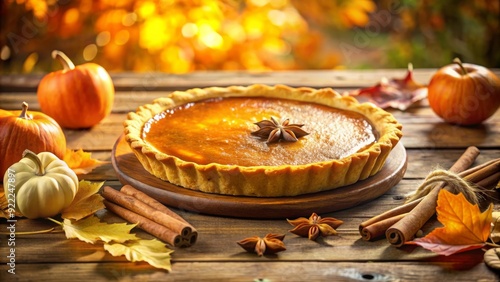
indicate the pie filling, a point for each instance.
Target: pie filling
{"x":219,"y":130}
{"x":259,"y":140}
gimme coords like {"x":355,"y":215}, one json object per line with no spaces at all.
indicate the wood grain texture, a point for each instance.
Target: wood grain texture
{"x":269,"y":269}
{"x":156,"y":81}
{"x":130,"y":171}
{"x":428,"y":141}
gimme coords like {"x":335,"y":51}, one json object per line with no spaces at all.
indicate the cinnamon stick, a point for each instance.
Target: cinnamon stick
{"x":377,"y":229}
{"x":153,"y":228}
{"x":484,"y":170}
{"x":129,"y":190}
{"x":389,"y":214}
{"x":406,"y":228}
{"x":393,"y":215}
{"x":489,"y":182}
{"x":465,"y":160}
{"x":145,"y":210}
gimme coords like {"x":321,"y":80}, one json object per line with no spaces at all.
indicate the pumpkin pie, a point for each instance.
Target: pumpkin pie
{"x":264,"y":141}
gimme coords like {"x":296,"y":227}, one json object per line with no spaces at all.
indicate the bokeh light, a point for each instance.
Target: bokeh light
{"x":179,"y":36}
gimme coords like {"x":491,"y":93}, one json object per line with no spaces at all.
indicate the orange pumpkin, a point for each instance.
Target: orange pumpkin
{"x":77,"y":96}
{"x":464,"y":94}
{"x":35,"y":131}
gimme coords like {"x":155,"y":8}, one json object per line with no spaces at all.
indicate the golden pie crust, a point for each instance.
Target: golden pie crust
{"x":264,"y":181}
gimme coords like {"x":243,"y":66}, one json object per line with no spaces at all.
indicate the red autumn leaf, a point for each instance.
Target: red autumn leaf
{"x":81,"y":162}
{"x":465,"y":227}
{"x":395,"y":93}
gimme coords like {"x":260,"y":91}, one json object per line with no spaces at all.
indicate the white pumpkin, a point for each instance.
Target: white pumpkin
{"x":43,"y":184}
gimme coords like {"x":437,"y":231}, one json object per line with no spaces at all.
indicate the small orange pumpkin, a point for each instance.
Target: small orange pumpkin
{"x":464,"y":94}
{"x":77,"y":96}
{"x":35,"y":131}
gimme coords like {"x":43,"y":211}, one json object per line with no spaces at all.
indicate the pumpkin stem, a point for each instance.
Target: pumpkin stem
{"x":38,"y":163}
{"x":63,"y":59}
{"x":24,"y":111}
{"x":457,"y":61}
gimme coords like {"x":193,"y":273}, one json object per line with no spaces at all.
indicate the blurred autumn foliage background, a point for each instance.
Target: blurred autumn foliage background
{"x":179,"y":36}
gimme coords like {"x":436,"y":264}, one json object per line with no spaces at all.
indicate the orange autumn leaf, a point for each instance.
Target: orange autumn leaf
{"x":81,"y":162}
{"x":465,"y":227}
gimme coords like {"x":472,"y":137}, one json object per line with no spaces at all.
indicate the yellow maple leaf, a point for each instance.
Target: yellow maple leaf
{"x":465,"y":227}
{"x":91,"y":230}
{"x":81,"y":162}
{"x":86,"y":202}
{"x":152,"y":251}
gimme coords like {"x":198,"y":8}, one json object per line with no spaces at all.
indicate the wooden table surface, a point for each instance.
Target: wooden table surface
{"x":429,"y":143}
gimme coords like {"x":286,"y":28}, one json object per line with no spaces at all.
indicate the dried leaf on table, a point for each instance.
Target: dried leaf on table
{"x":118,"y":240}
{"x":86,"y":202}
{"x":81,"y":162}
{"x":152,"y":251}
{"x":465,"y":227}
{"x":91,"y":230}
{"x":392,"y":93}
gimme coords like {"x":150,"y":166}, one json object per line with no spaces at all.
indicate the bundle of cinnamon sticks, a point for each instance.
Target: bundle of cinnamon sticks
{"x":400,"y":224}
{"x":150,"y":215}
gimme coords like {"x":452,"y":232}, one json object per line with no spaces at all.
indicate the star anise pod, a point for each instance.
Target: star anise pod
{"x":273,"y":131}
{"x":270,"y":244}
{"x":314,"y":226}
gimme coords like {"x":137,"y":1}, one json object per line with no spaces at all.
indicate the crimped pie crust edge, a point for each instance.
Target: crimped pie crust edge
{"x":264,"y":181}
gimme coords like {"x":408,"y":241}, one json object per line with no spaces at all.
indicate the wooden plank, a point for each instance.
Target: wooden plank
{"x":98,"y":138}
{"x":268,"y":269}
{"x":218,"y":243}
{"x":424,"y":114}
{"x":217,"y":240}
{"x":433,"y":136}
{"x":422,"y":161}
{"x":217,"y":255}
{"x":125,"y":101}
{"x":13,"y":101}
{"x":155,"y":81}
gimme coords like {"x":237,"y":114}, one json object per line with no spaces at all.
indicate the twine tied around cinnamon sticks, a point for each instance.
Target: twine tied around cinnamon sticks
{"x":400,"y":224}
{"x":150,"y":215}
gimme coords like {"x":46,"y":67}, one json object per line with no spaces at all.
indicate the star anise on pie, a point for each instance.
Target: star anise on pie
{"x":314,"y":226}
{"x":270,"y":244}
{"x":273,"y":131}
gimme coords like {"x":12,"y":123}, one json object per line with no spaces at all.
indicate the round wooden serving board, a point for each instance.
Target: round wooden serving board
{"x":130,"y":171}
